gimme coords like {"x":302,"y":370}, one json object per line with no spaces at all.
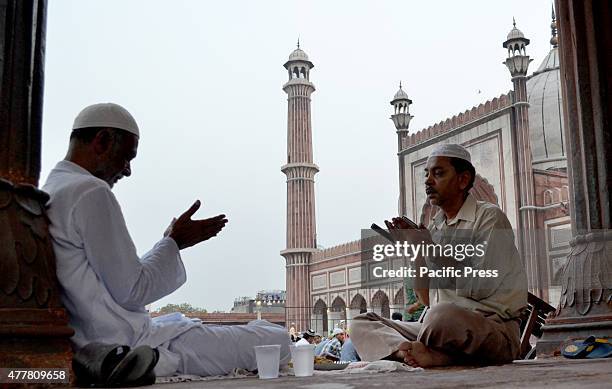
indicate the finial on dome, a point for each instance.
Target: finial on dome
{"x":513,"y":22}
{"x":298,"y":43}
{"x":400,"y":84}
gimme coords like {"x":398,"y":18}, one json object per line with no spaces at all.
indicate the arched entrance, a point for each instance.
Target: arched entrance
{"x":318,"y":321}
{"x":398,"y":301}
{"x":337,"y":313}
{"x":380,"y":304}
{"x":358,"y":305}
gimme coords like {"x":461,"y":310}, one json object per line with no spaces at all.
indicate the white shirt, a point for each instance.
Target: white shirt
{"x":505,"y":295}
{"x":105,"y":285}
{"x":302,"y":342}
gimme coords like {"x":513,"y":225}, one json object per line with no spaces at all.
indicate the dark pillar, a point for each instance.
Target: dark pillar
{"x":33,"y":324}
{"x":585,"y":49}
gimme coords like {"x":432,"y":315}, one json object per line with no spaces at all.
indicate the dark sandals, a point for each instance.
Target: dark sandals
{"x":113,"y":365}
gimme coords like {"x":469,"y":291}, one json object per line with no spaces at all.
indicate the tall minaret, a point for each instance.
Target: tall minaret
{"x":300,"y":171}
{"x":517,"y":63}
{"x":401,"y":118}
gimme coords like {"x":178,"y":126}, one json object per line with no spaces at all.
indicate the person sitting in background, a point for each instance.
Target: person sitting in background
{"x":293,"y":333}
{"x":307,"y":338}
{"x":320,"y":346}
{"x":333,"y":348}
{"x":348,"y":352}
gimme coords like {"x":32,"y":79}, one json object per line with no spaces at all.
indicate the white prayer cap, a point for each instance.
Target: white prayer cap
{"x":337,"y":331}
{"x":451,"y":150}
{"x":106,"y":115}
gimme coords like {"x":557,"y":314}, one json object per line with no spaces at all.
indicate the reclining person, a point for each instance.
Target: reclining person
{"x":472,"y":319}
{"x":105,"y":285}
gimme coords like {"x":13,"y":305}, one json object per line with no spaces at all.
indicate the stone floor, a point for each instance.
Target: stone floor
{"x":549,"y":373}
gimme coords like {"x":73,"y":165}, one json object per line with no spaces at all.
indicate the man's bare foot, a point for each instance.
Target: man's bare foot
{"x":416,"y":354}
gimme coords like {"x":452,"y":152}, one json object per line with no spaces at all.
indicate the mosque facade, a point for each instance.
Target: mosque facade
{"x":518,"y":150}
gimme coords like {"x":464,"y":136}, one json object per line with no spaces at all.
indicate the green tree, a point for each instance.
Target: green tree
{"x":184,"y":308}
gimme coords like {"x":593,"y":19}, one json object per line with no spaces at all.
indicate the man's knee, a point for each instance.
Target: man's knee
{"x":443,"y":314}
{"x":442,"y":322}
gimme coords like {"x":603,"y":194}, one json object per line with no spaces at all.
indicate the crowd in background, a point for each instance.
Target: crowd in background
{"x":338,"y":345}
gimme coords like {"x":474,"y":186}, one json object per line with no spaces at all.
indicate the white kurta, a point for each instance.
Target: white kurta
{"x":105,"y":285}
{"x":302,"y":342}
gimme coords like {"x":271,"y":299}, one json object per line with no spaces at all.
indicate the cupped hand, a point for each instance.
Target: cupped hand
{"x":402,"y":231}
{"x":188,"y":232}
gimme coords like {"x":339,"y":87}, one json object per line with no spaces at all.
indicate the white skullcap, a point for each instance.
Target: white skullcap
{"x":337,"y":331}
{"x":106,"y":115}
{"x":451,"y":150}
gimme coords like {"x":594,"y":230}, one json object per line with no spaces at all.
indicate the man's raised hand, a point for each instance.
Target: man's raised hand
{"x":187,"y":232}
{"x":402,"y":231}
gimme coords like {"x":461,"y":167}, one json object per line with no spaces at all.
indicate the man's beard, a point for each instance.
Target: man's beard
{"x":102,"y":173}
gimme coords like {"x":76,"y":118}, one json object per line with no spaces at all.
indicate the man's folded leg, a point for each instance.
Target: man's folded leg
{"x":465,"y":335}
{"x":216,"y":350}
{"x":470,"y":336}
{"x":375,"y":337}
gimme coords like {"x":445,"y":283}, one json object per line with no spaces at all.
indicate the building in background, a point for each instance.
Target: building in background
{"x":266,"y":301}
{"x":267,"y":305}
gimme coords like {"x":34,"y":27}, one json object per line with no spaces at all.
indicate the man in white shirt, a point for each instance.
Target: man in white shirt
{"x":308,"y":337}
{"x":105,"y":285}
{"x":473,"y":318}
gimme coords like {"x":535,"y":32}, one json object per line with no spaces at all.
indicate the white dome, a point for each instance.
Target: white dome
{"x":298,"y":55}
{"x":546,"y":114}
{"x":515,"y":33}
{"x":400,"y":94}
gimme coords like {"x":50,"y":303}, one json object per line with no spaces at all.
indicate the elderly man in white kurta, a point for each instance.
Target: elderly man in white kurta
{"x":106,"y":285}
{"x":473,"y":319}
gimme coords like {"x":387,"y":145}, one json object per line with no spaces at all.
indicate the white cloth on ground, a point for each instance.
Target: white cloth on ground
{"x":217,"y":349}
{"x":105,"y":285}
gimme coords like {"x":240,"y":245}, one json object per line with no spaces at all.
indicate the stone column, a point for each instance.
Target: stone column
{"x":33,"y":324}
{"x":585,"y":51}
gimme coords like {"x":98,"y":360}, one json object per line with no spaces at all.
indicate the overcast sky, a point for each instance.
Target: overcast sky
{"x":203,"y":80}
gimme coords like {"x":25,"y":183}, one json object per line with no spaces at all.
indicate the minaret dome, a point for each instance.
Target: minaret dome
{"x":401,"y":115}
{"x":518,"y":60}
{"x":298,"y":64}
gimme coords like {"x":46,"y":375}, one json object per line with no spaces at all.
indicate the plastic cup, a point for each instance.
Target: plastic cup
{"x":268,"y":360}
{"x":303,"y":360}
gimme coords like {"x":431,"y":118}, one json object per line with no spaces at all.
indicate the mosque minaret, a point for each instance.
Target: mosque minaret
{"x":401,"y":119}
{"x":300,"y":171}
{"x":518,"y":63}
